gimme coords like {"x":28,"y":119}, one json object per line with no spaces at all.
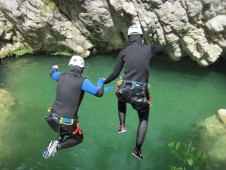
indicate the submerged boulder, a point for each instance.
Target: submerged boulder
{"x":7,"y":101}
{"x":213,"y":139}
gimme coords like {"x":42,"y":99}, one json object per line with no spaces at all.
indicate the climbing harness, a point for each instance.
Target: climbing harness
{"x":133,"y":83}
{"x":62,"y":120}
{"x":58,"y":122}
{"x":135,"y":93}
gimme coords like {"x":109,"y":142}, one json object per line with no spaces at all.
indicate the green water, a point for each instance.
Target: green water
{"x":182,"y":93}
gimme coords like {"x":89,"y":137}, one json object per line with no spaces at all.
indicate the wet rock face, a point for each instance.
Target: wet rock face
{"x":187,"y":28}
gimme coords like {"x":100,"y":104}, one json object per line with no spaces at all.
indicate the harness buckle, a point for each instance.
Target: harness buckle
{"x":62,"y":120}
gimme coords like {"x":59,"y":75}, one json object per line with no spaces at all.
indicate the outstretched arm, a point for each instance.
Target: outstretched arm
{"x":92,"y":89}
{"x":157,"y":49}
{"x":54,"y":73}
{"x":115,"y":73}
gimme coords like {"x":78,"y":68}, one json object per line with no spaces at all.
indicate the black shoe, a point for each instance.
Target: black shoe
{"x":137,"y":154}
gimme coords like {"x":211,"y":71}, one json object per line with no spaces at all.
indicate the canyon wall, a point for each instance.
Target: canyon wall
{"x":193,"y":28}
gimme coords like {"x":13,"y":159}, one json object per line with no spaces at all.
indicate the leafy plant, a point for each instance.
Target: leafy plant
{"x":51,"y":5}
{"x":188,"y":153}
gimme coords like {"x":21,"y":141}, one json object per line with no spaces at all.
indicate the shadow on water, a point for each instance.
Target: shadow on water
{"x":187,"y":66}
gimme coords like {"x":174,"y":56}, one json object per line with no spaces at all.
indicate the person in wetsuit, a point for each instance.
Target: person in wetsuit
{"x":63,"y":115}
{"x":133,"y":88}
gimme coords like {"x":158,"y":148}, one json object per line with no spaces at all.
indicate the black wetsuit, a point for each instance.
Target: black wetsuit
{"x":135,"y":59}
{"x":69,"y":95}
{"x":63,"y":117}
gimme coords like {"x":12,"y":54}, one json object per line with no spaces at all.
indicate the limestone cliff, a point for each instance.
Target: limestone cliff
{"x":194,"y":28}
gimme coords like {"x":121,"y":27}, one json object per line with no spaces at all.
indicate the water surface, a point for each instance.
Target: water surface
{"x":182,"y":94}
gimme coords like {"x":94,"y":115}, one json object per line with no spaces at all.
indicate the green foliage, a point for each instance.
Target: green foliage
{"x":22,"y":50}
{"x":189,"y":153}
{"x":51,"y":4}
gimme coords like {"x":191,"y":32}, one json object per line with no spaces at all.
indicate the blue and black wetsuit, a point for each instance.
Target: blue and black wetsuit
{"x":135,"y":59}
{"x":63,"y":117}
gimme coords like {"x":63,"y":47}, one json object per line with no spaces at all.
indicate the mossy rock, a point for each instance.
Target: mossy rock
{"x":213,"y":140}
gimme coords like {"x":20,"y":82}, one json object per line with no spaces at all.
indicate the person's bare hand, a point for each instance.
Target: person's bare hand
{"x":55,"y":66}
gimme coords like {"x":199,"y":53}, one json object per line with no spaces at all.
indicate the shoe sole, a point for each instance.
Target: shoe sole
{"x":122,"y":131}
{"x":49,"y":153}
{"x":137,"y":156}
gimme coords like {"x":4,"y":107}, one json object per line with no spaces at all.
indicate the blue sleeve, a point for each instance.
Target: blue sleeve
{"x":55,"y":74}
{"x":90,"y":87}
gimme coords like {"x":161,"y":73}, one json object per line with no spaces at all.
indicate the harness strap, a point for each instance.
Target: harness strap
{"x":77,"y":130}
{"x":133,"y":83}
{"x":62,"y":120}
{"x":66,"y":121}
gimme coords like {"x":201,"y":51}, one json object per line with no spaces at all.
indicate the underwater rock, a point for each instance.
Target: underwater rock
{"x":222,"y":115}
{"x":7,"y":101}
{"x":213,"y":139}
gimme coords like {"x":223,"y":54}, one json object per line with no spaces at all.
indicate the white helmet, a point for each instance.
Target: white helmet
{"x":135,"y":29}
{"x":77,"y":61}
